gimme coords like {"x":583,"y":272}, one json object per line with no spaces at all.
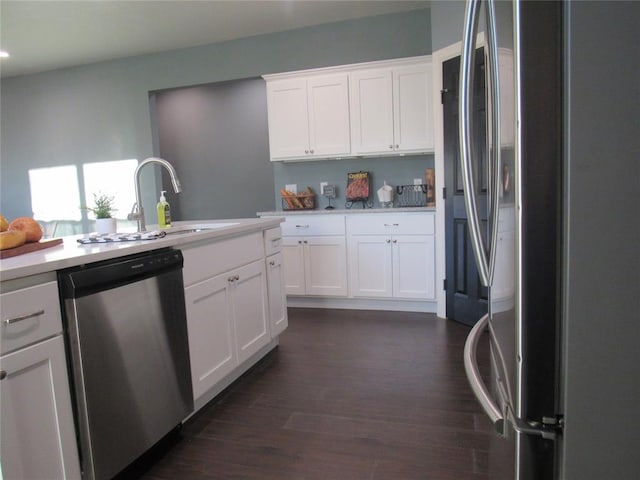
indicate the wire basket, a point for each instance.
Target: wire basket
{"x":411,"y":195}
{"x":303,"y":201}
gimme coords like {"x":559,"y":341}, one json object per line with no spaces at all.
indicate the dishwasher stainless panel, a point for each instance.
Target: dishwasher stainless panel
{"x":125,"y":325}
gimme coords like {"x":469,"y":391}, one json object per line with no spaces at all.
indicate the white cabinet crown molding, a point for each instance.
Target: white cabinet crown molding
{"x":393,"y":62}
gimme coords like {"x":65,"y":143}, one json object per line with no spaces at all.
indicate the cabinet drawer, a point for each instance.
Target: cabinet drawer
{"x":272,"y":241}
{"x":390,"y":224}
{"x":29,"y":315}
{"x":303,"y":225}
{"x":205,"y":261}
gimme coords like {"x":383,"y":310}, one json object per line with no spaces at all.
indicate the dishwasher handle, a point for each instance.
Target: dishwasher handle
{"x":94,"y":277}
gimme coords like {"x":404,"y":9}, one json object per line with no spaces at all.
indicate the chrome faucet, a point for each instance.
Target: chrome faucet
{"x":137,"y":213}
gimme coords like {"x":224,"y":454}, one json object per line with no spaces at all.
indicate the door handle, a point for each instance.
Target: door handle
{"x":485,"y":257}
{"x":473,"y":375}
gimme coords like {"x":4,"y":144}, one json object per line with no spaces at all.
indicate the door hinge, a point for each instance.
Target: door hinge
{"x":444,"y":193}
{"x":442,"y":92}
{"x":549,"y":428}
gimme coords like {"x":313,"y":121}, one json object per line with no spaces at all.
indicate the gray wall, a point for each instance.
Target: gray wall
{"x":447,"y":18}
{"x":216,"y":135}
{"x":101,"y":112}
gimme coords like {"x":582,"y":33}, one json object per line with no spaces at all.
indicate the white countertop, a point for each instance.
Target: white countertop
{"x":71,"y":253}
{"x":343,"y":211}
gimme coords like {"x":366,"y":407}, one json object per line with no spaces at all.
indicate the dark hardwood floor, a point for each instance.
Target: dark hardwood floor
{"x":347,"y":395}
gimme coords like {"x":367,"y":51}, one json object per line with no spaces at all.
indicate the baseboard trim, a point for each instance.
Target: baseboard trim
{"x":363,"y":304}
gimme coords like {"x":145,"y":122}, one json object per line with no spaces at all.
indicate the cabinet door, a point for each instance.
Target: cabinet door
{"x":288,"y":118}
{"x":277,"y":300}
{"x":413,"y":266}
{"x":370,"y":266}
{"x":328,"y":101}
{"x":38,"y":438}
{"x":413,"y":108}
{"x":325,"y":265}
{"x":371,"y":112}
{"x":249,"y":293}
{"x":293,"y":259}
{"x":210,"y":328}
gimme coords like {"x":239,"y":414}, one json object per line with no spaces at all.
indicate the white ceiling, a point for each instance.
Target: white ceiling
{"x":46,"y":35}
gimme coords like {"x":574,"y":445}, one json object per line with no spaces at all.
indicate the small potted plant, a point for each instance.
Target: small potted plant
{"x":103,"y":210}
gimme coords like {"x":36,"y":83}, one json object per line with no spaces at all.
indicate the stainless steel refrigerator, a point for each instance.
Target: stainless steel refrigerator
{"x":559,"y":249}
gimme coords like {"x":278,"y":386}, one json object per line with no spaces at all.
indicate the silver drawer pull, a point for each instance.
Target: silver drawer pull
{"x":302,"y":226}
{"x":9,"y":321}
{"x":391,"y":224}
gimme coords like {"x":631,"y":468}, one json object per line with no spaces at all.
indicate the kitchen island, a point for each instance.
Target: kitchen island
{"x":235,"y":311}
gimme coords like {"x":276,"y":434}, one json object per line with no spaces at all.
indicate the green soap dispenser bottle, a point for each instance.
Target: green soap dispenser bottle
{"x":164,"y":211}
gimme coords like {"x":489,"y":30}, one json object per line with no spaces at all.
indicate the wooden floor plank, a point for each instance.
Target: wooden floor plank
{"x":347,"y":395}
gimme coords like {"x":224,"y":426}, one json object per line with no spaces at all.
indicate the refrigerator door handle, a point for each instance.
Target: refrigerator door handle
{"x":494,"y":156}
{"x":485,"y":258}
{"x":475,"y":380}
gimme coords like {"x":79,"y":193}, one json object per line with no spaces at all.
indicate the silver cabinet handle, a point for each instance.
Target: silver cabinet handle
{"x":272,"y":263}
{"x":473,"y":375}
{"x":395,"y":241}
{"x":9,"y":321}
{"x":388,"y":240}
{"x":391,"y":224}
{"x":485,"y":258}
{"x":302,"y":226}
{"x":391,"y":147}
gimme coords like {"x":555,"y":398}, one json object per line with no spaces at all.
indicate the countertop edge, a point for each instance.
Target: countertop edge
{"x":71,"y":253}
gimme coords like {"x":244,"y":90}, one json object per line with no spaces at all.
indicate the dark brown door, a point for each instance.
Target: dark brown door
{"x":466,"y":297}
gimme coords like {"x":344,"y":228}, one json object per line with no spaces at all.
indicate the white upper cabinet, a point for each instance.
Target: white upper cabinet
{"x":288,"y":118}
{"x":309,"y":117}
{"x":375,"y":108}
{"x":392,"y":110}
{"x":372,"y":111}
{"x":413,"y":108}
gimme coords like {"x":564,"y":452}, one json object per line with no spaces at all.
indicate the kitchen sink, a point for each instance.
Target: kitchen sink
{"x":196,"y":228}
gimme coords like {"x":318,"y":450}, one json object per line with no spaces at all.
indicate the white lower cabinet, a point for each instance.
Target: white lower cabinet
{"x":392,"y":256}
{"x":37,"y":431}
{"x":315,"y":265}
{"x":210,"y":327}
{"x":228,"y":307}
{"x":392,"y":266}
{"x":315,"y":255}
{"x":249,"y":309}
{"x":277,"y":298}
{"x":227,"y":323}
{"x":38,"y":439}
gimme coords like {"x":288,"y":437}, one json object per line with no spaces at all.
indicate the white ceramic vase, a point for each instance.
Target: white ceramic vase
{"x":106,"y":225}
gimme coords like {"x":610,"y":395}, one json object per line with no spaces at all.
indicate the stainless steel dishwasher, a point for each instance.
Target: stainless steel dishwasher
{"x":126,"y":332}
